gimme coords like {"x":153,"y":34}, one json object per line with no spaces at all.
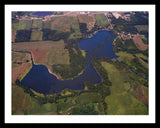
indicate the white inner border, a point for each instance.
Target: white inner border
{"x":79,"y":119}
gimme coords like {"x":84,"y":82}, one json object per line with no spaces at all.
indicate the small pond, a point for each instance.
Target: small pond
{"x":41,"y":14}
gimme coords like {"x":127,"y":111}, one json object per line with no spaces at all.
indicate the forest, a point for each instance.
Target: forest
{"x":23,"y":36}
{"x":54,"y":35}
{"x":139,"y":18}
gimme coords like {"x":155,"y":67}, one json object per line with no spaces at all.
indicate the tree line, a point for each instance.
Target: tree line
{"x":127,"y":46}
{"x":138,"y":18}
{"x":48,"y":34}
{"x":54,"y":35}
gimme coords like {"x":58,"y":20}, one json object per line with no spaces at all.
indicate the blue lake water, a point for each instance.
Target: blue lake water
{"x":127,"y":13}
{"x":100,"y":45}
{"x":44,"y":13}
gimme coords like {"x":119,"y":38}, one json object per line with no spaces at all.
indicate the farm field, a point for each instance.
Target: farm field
{"x":24,"y":104}
{"x":127,"y":57}
{"x":101,"y":20}
{"x":36,"y":35}
{"x":121,"y":102}
{"x":89,"y":20}
{"x":37,"y":23}
{"x":24,"y":24}
{"x":66,"y":24}
{"x":139,"y":43}
{"x":142,"y":28}
{"x":20,"y":65}
{"x":46,"y":24}
{"x":21,"y":25}
{"x":42,"y":49}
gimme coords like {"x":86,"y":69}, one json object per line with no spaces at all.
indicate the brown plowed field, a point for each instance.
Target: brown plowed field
{"x":139,"y":43}
{"x":141,"y":94}
{"x":20,"y":100}
{"x":17,"y":72}
{"x":39,"y":56}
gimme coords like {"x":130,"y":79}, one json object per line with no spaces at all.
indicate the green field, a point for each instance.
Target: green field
{"x":60,"y":56}
{"x":85,"y":103}
{"x":121,"y":102}
{"x":46,"y":25}
{"x":142,"y":27}
{"x":127,"y":57}
{"x":25,"y":24}
{"x":36,"y":35}
{"x":56,"y":54}
{"x":24,"y":104}
{"x":21,"y":25}
{"x":37,"y":23}
{"x":101,"y":20}
{"x":66,"y":24}
{"x":18,"y":58}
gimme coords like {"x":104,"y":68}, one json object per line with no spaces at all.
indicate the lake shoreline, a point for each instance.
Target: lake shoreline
{"x":42,"y":78}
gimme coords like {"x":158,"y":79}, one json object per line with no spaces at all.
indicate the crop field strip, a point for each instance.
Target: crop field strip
{"x":52,"y":49}
{"x":101,"y":20}
{"x":63,"y":24}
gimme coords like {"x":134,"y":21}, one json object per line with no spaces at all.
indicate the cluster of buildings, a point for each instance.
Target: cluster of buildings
{"x":123,"y":15}
{"x":125,"y":36}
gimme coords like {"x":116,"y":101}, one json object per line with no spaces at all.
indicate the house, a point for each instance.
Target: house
{"x":116,"y":15}
{"x":85,"y":12}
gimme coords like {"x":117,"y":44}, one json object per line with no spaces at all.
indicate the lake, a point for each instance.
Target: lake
{"x":100,"y":45}
{"x":44,"y":13}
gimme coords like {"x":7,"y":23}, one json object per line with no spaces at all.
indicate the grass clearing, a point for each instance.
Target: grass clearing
{"x":36,"y":35}
{"x":83,"y":53}
{"x":101,"y":19}
{"x":18,"y":58}
{"x":85,"y":98}
{"x":24,"y":24}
